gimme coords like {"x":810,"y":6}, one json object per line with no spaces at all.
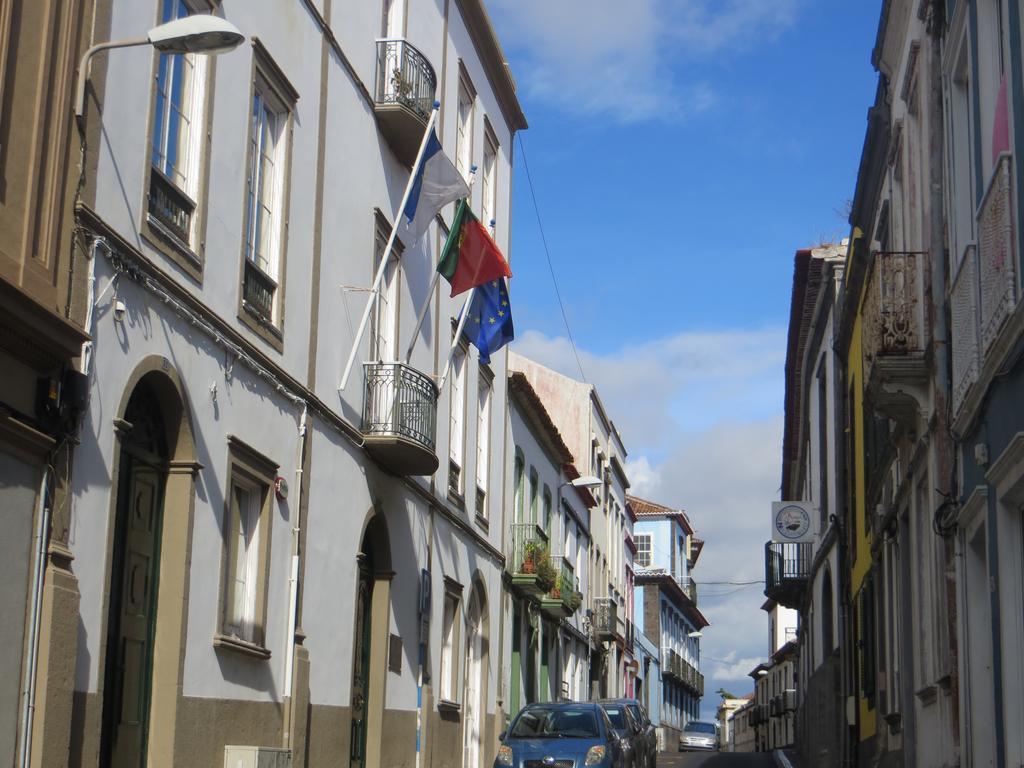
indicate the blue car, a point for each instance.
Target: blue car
{"x":563,"y":735}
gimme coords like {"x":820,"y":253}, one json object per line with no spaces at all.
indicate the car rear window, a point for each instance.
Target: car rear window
{"x":618,"y":717}
{"x":561,"y":722}
{"x":696,"y":727}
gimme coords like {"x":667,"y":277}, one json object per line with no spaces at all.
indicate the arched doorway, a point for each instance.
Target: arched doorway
{"x":131,"y":621}
{"x":475,"y":694}
{"x":369,"y":643}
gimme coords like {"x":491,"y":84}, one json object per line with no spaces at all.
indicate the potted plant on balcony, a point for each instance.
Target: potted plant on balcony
{"x":575,"y":601}
{"x":547,"y":576}
{"x":530,"y":551}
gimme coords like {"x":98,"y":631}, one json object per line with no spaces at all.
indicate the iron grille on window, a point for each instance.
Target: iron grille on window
{"x":258,"y":291}
{"x":169,"y":206}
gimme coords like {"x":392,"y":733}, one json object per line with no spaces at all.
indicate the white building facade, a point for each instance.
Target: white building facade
{"x":264,"y":559}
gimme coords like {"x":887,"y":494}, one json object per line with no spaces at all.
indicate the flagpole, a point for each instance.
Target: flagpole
{"x":388,"y":248}
{"x":455,"y":341}
{"x":430,"y":292}
{"x":458,"y":330}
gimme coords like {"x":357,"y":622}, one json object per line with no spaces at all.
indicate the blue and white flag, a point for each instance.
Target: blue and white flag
{"x":436,"y":183}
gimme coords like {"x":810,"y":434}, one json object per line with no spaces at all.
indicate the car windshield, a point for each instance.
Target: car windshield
{"x":618,"y":717}
{"x":556,"y":723}
{"x":696,"y":727}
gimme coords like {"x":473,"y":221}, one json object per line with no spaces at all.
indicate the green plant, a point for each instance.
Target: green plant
{"x":575,"y":601}
{"x":547,"y":576}
{"x":530,"y":552}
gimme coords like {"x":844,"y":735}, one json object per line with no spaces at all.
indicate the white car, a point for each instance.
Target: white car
{"x":699,"y":735}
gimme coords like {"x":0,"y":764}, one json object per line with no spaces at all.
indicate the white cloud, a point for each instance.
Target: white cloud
{"x":701,"y":415}
{"x":606,"y":56}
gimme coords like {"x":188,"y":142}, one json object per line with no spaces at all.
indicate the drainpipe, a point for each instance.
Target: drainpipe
{"x":293,"y":581}
{"x":944,"y":447}
{"x":28,"y":708}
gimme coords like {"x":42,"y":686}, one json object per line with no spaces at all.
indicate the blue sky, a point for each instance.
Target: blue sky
{"x":681,"y":151}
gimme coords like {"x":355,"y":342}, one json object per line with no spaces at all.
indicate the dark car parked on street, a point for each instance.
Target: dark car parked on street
{"x":562,"y":735}
{"x":642,"y":737}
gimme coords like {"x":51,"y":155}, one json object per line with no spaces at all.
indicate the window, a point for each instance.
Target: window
{"x":490,"y":174}
{"x":384,"y":329}
{"x":643,"y":550}
{"x":464,"y":126}
{"x":177,"y":140}
{"x":547,"y":511}
{"x":483,"y":443}
{"x":457,"y":423}
{"x":246,"y":547}
{"x":449,"y":642}
{"x":519,"y":471}
{"x":266,"y":175}
{"x":533,"y":496}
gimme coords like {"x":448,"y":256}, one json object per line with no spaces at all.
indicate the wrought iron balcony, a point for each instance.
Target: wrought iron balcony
{"x":169,"y":208}
{"x":562,"y":600}
{"x":400,"y":418}
{"x":997,"y":253}
{"x":605,"y":618}
{"x":671,"y":664}
{"x":258,"y":291}
{"x":894,"y":328}
{"x":966,"y":346}
{"x":404,"y":96}
{"x":786,"y":567}
{"x":530,"y":568}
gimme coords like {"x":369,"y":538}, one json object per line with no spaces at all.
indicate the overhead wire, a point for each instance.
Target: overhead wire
{"x":547,"y":254}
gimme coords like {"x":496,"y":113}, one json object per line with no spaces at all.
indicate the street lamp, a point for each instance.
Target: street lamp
{"x":199,"y":33}
{"x":695,"y":633}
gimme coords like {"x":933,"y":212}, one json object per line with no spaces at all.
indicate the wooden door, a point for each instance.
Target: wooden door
{"x":133,"y":613}
{"x":361,"y":667}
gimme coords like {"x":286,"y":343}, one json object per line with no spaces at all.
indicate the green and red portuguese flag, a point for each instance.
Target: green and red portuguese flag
{"x":470,"y":257}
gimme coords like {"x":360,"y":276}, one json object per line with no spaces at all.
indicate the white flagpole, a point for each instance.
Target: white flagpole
{"x":458,"y":330}
{"x":430,"y":292}
{"x":455,"y":341}
{"x":387,"y":250}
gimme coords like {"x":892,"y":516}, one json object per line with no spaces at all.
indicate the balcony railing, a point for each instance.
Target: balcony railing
{"x":530,"y":566}
{"x":605,"y":618}
{"x":786,"y":567}
{"x":966,"y":349}
{"x":562,"y":600}
{"x":169,"y":207}
{"x":258,"y":290}
{"x":400,"y":418}
{"x":894,"y":307}
{"x":404,"y":95}
{"x":997,"y":254}
{"x":671,"y":664}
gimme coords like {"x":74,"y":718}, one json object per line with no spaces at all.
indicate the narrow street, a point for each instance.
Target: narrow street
{"x":715,"y":760}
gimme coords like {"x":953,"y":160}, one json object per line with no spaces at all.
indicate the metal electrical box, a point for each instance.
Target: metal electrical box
{"x":257,"y":757}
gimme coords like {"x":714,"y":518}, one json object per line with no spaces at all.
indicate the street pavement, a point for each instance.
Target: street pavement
{"x":714,"y":760}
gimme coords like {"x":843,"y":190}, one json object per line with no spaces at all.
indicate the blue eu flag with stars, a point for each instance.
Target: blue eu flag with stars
{"x":489,"y":322}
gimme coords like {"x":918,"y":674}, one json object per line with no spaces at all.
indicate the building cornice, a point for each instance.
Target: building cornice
{"x":494,"y":63}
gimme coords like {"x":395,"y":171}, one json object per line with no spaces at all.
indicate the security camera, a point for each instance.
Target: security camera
{"x":119,"y":310}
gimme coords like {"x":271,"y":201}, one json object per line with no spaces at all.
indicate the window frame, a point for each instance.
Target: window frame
{"x":644,"y":537}
{"x":485,"y":406}
{"x":518,"y":486}
{"x":382,"y":231}
{"x":189,"y":254}
{"x":489,"y":178}
{"x":458,"y":391}
{"x":249,"y":468}
{"x":283,"y":96}
{"x":464,"y":138}
{"x":450,"y":639}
